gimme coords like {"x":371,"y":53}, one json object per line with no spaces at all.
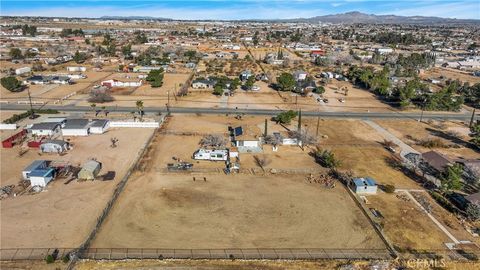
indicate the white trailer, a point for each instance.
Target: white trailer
{"x":22,"y":70}
{"x":214,"y":155}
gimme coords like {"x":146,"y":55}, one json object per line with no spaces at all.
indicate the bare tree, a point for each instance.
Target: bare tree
{"x":261,"y":161}
{"x":213,"y":141}
{"x":114,"y":141}
{"x":303,"y":136}
{"x":273,"y":140}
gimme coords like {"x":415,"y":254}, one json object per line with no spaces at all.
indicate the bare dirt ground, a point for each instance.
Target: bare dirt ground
{"x":170,"y":81}
{"x":406,"y":225}
{"x":410,"y":130}
{"x":450,"y":74}
{"x":63,"y":215}
{"x":239,"y":211}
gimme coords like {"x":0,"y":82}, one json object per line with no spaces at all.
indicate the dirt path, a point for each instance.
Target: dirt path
{"x":389,"y":136}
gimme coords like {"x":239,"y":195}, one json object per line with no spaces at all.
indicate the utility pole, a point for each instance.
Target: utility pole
{"x":168,"y":98}
{"x":318,"y":124}
{"x":473,"y":117}
{"x":31,"y":106}
{"x":299,"y":120}
{"x":266,"y":127}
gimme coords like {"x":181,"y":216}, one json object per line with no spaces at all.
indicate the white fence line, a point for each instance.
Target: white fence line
{"x":8,"y":126}
{"x":135,"y":124}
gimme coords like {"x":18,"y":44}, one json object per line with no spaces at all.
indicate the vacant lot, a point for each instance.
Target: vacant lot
{"x":241,"y":211}
{"x":63,"y":215}
{"x":453,"y":136}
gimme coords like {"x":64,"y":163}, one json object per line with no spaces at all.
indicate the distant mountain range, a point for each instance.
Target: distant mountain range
{"x":133,"y":18}
{"x":358,"y":17}
{"x":347,"y":18}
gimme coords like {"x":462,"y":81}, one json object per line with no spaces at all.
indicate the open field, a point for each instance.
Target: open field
{"x":406,"y":226}
{"x":450,"y":74}
{"x":238,"y":211}
{"x":63,"y":215}
{"x":411,"y":131}
{"x":170,"y":82}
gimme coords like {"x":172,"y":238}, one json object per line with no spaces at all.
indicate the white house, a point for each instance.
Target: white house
{"x":45,"y":129}
{"x":41,"y":177}
{"x":22,"y":70}
{"x":76,"y":69}
{"x":99,"y":126}
{"x":76,"y":127}
{"x":214,"y":155}
{"x":117,"y":83}
{"x":364,"y":186}
{"x":300,"y":75}
{"x":203,"y":84}
{"x":384,"y":50}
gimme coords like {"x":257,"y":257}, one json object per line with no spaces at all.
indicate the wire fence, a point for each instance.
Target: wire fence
{"x":247,"y":254}
{"x":138,"y":253}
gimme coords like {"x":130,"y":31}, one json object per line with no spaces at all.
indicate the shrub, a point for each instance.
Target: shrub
{"x":389,"y":188}
{"x":49,"y":259}
{"x":11,"y":84}
{"x":66,"y":258}
{"x":443,"y":201}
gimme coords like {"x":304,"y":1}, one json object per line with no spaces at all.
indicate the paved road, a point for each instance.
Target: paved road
{"x":180,"y":110}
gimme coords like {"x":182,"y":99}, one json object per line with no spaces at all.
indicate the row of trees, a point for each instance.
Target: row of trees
{"x":66,"y":32}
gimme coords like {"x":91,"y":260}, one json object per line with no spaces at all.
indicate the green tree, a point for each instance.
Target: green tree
{"x":286,"y":82}
{"x":451,"y":177}
{"x":79,"y":57}
{"x":250,"y":82}
{"x":11,"y":84}
{"x":15,"y":53}
{"x":285,"y":117}
{"x":319,"y":90}
{"x":326,"y":158}
{"x":127,"y":51}
{"x":234,"y":84}
{"x":475,"y":129}
{"x":218,"y":90}
{"x":140,"y":38}
{"x":139,"y":105}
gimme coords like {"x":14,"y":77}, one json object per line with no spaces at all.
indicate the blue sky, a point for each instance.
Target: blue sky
{"x":239,"y":9}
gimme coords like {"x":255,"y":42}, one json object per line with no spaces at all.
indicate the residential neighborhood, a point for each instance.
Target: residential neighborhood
{"x":341,"y":141}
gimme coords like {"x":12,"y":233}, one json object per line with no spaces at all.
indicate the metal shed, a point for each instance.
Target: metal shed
{"x":90,"y":170}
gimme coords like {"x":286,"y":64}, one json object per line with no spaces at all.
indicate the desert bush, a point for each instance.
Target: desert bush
{"x":389,"y":188}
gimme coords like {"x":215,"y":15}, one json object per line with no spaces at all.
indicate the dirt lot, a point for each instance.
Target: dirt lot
{"x":406,"y":225}
{"x":170,"y":81}
{"x":237,"y":211}
{"x":231,"y":211}
{"x":63,"y":215}
{"x":450,"y":74}
{"x":411,"y":131}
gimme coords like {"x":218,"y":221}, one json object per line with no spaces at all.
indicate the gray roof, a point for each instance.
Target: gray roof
{"x":59,"y":142}
{"x":35,"y":164}
{"x":76,"y":123}
{"x":91,"y":165}
{"x":44,"y":126}
{"x":99,"y":123}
